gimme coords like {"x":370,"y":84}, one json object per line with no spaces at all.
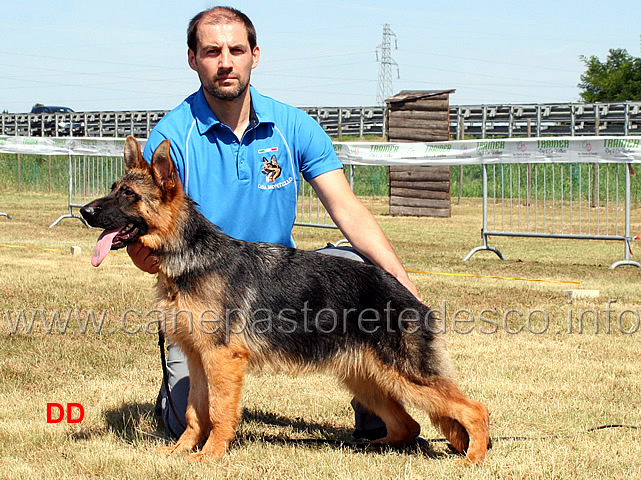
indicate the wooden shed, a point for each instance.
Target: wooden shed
{"x":419,"y":116}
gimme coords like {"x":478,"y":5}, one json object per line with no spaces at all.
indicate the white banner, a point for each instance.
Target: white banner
{"x":611,"y":149}
{"x":477,"y":152}
{"x":101,"y":147}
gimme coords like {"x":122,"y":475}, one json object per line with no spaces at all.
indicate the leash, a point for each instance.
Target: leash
{"x":413,"y":447}
{"x":365,"y":445}
{"x":165,"y":377}
{"x":558,"y":436}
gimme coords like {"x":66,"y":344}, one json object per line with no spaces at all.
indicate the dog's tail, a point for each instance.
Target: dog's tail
{"x":463,"y":422}
{"x":385,"y":390}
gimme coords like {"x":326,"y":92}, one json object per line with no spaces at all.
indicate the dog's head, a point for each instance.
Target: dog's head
{"x":139,"y":202}
{"x":270,"y":165}
{"x":271,"y":168}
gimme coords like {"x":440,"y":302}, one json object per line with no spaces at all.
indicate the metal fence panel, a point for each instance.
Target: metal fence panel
{"x":90,"y":177}
{"x":565,"y":200}
{"x":538,"y":120}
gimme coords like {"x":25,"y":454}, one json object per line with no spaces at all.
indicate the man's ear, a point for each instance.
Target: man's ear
{"x":133,"y":157}
{"x":255,"y":57}
{"x":191,"y":59}
{"x":163,"y":169}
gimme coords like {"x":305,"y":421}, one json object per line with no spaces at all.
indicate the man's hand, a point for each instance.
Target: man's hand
{"x":407,"y":283}
{"x":142,"y":257}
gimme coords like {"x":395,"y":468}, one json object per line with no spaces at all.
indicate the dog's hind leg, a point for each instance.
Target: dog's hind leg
{"x":197,"y":413}
{"x":401,"y":427}
{"x":225,"y":369}
{"x":464,"y":422}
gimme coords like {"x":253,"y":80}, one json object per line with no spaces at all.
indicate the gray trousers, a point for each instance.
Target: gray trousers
{"x":178,"y":376}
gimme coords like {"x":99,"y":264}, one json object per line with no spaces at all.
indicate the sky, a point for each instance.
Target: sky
{"x":132,"y":55}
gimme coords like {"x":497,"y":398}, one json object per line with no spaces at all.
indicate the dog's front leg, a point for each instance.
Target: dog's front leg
{"x":197,"y":413}
{"x":224,"y":369}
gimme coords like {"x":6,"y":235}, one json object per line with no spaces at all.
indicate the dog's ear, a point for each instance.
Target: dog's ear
{"x":163,"y":169}
{"x":133,"y":157}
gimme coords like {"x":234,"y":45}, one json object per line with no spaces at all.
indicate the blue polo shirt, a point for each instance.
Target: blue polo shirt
{"x":248,"y":188}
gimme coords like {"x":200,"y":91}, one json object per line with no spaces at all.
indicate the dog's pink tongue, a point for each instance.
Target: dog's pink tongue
{"x":103,"y":245}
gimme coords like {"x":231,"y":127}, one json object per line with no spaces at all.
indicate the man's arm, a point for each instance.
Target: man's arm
{"x":358,"y":224}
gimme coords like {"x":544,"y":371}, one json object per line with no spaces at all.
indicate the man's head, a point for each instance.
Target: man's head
{"x":223,"y":51}
{"x":219,"y":15}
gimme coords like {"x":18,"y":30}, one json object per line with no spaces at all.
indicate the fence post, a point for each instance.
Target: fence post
{"x":70,"y":202}
{"x":628,"y":200}
{"x":595,"y":170}
{"x":49,"y":171}
{"x":19,"y":175}
{"x":528,"y":179}
{"x":461,"y":135}
{"x":485,"y":245}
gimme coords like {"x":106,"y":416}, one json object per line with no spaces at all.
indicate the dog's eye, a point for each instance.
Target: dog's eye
{"x":127,"y":192}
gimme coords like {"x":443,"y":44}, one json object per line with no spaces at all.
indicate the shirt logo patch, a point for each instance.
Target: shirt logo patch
{"x":271,"y":169}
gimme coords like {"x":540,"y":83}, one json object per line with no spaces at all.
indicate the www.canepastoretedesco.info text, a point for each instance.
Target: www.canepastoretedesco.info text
{"x":607,"y":320}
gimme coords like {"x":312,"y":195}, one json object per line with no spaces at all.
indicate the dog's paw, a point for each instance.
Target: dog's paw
{"x":470,"y":461}
{"x":203,"y":457}
{"x":174,"y":449}
{"x":197,"y":457}
{"x":167,"y":450}
{"x":467,"y":462}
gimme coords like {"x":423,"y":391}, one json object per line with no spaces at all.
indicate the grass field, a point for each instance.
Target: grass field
{"x":538,"y":359}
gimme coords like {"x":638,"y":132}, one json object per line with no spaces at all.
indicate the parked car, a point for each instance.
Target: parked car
{"x":65,"y":126}
{"x":49,"y":109}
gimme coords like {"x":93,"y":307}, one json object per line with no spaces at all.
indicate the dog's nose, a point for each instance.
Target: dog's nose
{"x":88,"y":211}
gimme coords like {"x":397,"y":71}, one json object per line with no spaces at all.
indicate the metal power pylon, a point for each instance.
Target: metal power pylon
{"x":386,"y":62}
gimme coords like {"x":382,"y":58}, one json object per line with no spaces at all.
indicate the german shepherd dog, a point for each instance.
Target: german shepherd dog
{"x":233,"y":305}
{"x":271,"y":169}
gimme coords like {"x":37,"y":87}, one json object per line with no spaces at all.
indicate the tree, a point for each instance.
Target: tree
{"x":616,"y":80}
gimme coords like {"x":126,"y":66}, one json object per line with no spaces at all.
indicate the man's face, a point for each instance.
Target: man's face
{"x":224,"y":59}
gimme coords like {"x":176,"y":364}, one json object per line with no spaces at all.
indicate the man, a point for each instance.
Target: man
{"x":239,"y":155}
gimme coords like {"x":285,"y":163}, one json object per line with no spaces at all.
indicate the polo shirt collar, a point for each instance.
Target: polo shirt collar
{"x":205,"y":118}
{"x":263,"y":106}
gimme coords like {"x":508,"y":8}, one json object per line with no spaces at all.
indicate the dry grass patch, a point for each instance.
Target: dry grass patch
{"x":532,"y":355}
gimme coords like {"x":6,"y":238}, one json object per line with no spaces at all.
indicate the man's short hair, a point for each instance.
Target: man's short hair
{"x":218,"y":16}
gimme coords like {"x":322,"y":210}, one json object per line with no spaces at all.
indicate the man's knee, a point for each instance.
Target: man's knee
{"x":344,"y":252}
